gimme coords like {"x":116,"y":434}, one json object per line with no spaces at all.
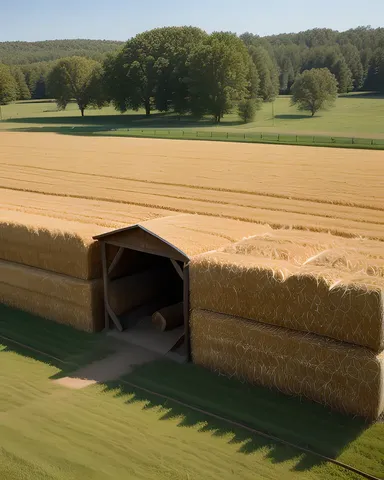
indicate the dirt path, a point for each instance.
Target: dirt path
{"x":123,"y":361}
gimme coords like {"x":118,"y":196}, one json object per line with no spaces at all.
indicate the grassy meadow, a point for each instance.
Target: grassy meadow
{"x":358,"y":115}
{"x":115,"y":431}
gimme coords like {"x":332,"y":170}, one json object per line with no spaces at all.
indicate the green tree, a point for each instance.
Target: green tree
{"x":220,"y":74}
{"x":352,"y":57}
{"x":247,"y":109}
{"x":23,"y":92}
{"x":8,"y":85}
{"x":314,"y":90}
{"x":267,"y":72}
{"x":375,"y":77}
{"x":331,"y":58}
{"x":150,"y":71}
{"x":77,"y":78}
{"x":36,"y":76}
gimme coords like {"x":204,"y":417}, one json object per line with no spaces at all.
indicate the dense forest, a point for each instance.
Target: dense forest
{"x":168,"y":68}
{"x":22,"y":53}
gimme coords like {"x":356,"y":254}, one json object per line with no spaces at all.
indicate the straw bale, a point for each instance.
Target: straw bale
{"x":326,"y":301}
{"x":169,"y":317}
{"x":195,"y":234}
{"x":357,"y":255}
{"x":64,"y":299}
{"x":52,"y":244}
{"x":345,"y":377}
{"x":127,"y":293}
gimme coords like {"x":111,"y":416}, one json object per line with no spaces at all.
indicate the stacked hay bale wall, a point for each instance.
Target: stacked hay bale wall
{"x":55,"y":245}
{"x":61,"y":298}
{"x":294,"y":312}
{"x":51,"y":268}
{"x":326,"y":301}
{"x":349,"y":378}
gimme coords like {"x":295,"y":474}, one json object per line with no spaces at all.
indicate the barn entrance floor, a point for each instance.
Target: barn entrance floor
{"x":141,"y":343}
{"x":121,"y":362}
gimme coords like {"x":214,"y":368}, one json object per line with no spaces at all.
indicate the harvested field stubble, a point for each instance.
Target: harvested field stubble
{"x":284,"y":186}
{"x":345,"y":377}
{"x":330,"y":302}
{"x":64,"y":299}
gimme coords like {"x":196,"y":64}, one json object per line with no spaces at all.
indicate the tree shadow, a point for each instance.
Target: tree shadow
{"x":294,"y":116}
{"x":290,"y":419}
{"x":364,"y":95}
{"x":155,"y":120}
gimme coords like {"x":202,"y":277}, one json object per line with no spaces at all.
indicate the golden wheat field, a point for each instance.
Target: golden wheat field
{"x":112,"y":182}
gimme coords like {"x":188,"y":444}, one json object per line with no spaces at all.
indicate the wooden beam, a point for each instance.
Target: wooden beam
{"x":114,"y":317}
{"x":187,"y":338}
{"x":108,"y":312}
{"x":116,"y":260}
{"x":105,"y":282}
{"x":177,"y":268}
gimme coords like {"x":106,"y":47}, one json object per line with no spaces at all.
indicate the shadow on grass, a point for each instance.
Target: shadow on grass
{"x":155,"y":120}
{"x":294,"y":116}
{"x":364,"y":95}
{"x":303,"y":423}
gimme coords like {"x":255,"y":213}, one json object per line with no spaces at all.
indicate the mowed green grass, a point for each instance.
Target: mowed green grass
{"x":116,"y":431}
{"x":354,"y":115}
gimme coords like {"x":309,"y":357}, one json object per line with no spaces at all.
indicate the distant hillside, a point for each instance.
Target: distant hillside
{"x":22,"y":53}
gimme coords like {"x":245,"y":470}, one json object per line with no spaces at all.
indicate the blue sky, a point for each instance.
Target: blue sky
{"x":33,"y":20}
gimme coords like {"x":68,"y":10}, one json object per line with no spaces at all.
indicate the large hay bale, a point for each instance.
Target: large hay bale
{"x":52,"y":244}
{"x":353,"y":255}
{"x":328,"y":302}
{"x":64,"y":299}
{"x":346,"y":377}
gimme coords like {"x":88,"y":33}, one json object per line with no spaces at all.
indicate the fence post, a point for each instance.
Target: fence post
{"x":183,"y":133}
{"x":227,"y":134}
{"x":244,"y":136}
{"x":313,"y":139}
{"x":372,"y":142}
{"x":296,"y":138}
{"x":278,"y":137}
{"x":353,"y":140}
{"x":261,"y":136}
{"x":211,"y":134}
{"x":197,"y":134}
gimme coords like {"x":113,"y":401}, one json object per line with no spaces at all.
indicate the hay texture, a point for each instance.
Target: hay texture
{"x":52,"y":244}
{"x":67,"y":300}
{"x":353,"y":255}
{"x":329,"y":302}
{"x":195,"y":234}
{"x":345,"y":377}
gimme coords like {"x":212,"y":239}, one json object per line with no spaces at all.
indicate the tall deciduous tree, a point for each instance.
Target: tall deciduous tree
{"x":220,"y":74}
{"x":375,"y":77}
{"x":77,"y":78}
{"x":23,"y":92}
{"x":8,"y":85}
{"x":150,"y":71}
{"x":267,"y":72}
{"x":352,"y":57}
{"x":314,"y":90}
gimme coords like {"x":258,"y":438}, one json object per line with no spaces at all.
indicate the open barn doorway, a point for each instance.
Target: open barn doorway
{"x":145,"y":290}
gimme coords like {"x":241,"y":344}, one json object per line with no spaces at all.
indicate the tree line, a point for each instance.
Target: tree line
{"x":185,"y":70}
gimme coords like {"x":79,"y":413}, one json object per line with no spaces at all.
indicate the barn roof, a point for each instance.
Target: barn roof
{"x":182,"y":236}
